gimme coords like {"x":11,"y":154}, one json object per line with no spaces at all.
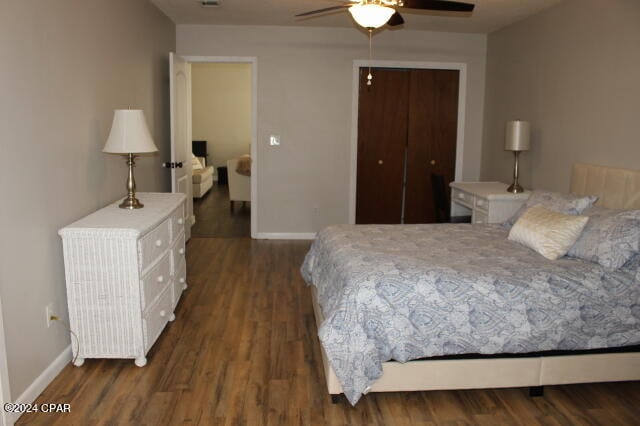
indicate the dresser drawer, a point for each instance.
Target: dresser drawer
{"x":178,"y":253}
{"x":152,"y":245}
{"x":479,"y":217}
{"x":156,"y":280}
{"x":177,"y":222}
{"x":179,"y":282}
{"x":462,"y":197}
{"x":157,"y":316}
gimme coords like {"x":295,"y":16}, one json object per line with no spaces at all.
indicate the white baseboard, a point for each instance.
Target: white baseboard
{"x":39,"y":385}
{"x":285,"y":235}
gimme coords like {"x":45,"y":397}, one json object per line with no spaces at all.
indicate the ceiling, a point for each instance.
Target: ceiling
{"x":488,"y":16}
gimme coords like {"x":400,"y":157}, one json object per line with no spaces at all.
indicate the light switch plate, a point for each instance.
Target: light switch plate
{"x":274,"y":140}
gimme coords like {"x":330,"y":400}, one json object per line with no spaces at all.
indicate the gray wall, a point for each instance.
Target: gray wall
{"x":304,"y":96}
{"x":572,"y":71}
{"x":65,"y":66}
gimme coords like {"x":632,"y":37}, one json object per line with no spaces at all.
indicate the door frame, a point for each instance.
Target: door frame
{"x":355,"y":93}
{"x":253,"y":60}
{"x":5,"y":394}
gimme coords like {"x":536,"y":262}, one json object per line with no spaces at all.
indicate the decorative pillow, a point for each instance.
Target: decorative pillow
{"x":554,"y":201}
{"x":611,"y":237}
{"x":195,"y":163}
{"x":549,"y":233}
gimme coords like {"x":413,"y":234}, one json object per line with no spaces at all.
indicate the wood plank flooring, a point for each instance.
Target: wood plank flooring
{"x":214,"y":218}
{"x":243,"y":351}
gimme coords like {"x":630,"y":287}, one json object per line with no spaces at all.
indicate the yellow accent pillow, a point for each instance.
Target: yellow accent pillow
{"x":549,"y":233}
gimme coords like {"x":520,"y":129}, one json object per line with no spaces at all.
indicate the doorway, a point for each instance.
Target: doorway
{"x":224,"y":115}
{"x":400,"y":164}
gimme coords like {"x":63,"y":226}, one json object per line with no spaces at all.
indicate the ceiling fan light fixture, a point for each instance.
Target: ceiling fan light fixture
{"x":371,"y":16}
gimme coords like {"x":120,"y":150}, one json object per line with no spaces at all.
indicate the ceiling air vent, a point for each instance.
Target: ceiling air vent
{"x":209,"y":3}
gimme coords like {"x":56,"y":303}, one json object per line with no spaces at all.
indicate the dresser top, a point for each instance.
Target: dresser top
{"x":490,"y":190}
{"x":113,"y":219}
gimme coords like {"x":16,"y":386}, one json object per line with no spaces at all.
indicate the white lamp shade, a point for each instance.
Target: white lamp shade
{"x":129,"y":133}
{"x":371,"y":15}
{"x":516,"y":136}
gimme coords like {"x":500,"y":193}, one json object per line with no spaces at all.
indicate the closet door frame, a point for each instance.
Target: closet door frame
{"x":462,"y":101}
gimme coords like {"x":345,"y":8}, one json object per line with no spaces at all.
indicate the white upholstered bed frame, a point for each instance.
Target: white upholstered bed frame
{"x":616,"y":188}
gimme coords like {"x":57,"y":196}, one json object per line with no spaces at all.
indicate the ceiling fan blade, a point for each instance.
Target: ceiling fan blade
{"x":449,"y":6}
{"x":396,"y":19}
{"x":326,"y":9}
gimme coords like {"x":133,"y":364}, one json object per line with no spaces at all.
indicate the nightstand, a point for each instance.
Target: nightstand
{"x":487,"y":202}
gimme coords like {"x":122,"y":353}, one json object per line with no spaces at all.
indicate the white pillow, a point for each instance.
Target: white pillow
{"x":549,"y":233}
{"x":555,"y":201}
{"x":195,"y":163}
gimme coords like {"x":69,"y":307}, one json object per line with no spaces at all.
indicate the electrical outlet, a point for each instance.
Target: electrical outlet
{"x":49,"y":311}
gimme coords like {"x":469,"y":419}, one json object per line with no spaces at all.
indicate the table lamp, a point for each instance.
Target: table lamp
{"x":129,"y":136}
{"x":516,"y":140}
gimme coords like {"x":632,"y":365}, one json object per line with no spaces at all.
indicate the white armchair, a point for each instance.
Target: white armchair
{"x":239,"y":185}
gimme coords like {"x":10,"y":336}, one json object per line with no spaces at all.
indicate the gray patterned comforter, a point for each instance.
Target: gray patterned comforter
{"x":401,"y":292}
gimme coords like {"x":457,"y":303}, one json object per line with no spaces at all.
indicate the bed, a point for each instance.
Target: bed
{"x":567,"y":321}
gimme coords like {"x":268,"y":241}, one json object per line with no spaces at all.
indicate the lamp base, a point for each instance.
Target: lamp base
{"x":515,"y":188}
{"x":131,"y":203}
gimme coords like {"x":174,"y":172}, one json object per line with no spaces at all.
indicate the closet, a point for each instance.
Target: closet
{"x":407,"y":131}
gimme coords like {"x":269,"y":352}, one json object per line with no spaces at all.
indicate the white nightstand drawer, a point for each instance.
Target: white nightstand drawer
{"x":155,"y":281}
{"x":152,"y":245}
{"x":463,"y":198}
{"x":479,"y":217}
{"x":482,"y":204}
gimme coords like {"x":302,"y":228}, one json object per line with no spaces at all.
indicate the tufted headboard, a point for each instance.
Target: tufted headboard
{"x":616,"y":188}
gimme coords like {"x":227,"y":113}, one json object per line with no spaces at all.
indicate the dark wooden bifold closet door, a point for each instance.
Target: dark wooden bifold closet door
{"x":431,"y":139}
{"x":407,"y":128}
{"x":382,"y":136}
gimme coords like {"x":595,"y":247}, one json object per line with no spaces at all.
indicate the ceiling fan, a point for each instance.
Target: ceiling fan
{"x":372,"y":14}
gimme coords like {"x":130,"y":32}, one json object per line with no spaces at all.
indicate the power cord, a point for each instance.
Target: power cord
{"x":57,"y":318}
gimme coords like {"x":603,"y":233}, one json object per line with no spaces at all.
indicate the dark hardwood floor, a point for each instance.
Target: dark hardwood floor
{"x":215,"y":219}
{"x":243,"y":351}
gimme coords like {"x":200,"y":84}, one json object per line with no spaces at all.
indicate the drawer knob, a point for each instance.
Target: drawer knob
{"x":181,"y":280}
{"x":180,"y":221}
{"x":380,"y":162}
{"x":433,"y":162}
{"x":181,"y":251}
{"x":158,"y":243}
{"x":163,"y":313}
{"x":160,"y":279}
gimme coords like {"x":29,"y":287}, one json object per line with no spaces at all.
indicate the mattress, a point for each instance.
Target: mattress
{"x":403,"y":292}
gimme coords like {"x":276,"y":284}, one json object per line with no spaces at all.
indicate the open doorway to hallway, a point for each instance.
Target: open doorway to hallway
{"x":221,"y":105}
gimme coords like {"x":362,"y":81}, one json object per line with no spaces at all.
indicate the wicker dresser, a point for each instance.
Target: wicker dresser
{"x":125,"y":271}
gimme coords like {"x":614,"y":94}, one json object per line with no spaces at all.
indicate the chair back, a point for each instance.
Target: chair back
{"x":439,"y":191}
